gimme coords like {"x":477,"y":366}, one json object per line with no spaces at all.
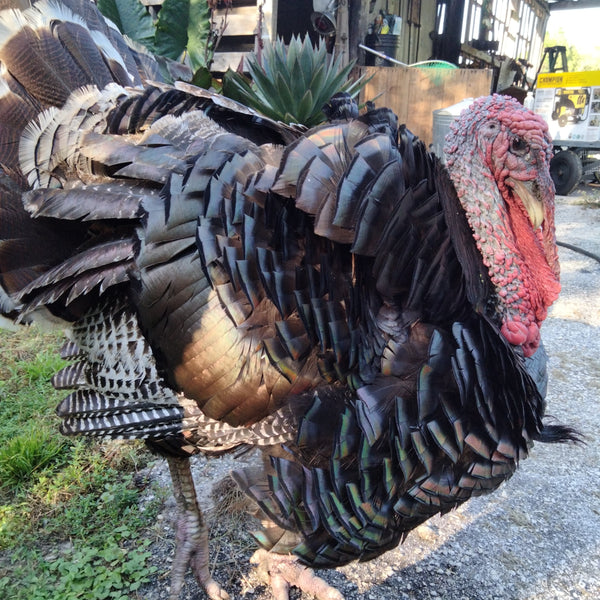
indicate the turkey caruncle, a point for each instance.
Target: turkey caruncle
{"x":367,"y":317}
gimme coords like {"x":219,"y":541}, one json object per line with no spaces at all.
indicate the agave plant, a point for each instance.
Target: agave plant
{"x":291,"y":84}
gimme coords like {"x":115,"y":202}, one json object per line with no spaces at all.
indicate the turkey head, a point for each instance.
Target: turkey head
{"x":512,"y":220}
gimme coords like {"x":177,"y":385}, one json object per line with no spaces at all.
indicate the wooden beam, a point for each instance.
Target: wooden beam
{"x":269,"y":11}
{"x":227,"y":60}
{"x":243,"y":20}
{"x":571,"y":4}
{"x":240,"y":20}
{"x":342,"y":32}
{"x":468,"y":50}
{"x":355,"y":33}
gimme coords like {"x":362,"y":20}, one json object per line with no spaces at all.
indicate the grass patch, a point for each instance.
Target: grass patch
{"x":28,"y":359}
{"x":70,"y":521}
{"x":28,"y":454}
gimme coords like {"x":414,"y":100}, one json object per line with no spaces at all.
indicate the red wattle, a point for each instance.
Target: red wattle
{"x":521,"y":334}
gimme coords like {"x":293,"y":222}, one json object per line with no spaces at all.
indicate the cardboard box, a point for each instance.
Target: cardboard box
{"x":570,"y":104}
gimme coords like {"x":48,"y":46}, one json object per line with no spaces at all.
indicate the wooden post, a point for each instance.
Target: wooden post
{"x":342,"y":31}
{"x":269,"y":12}
{"x":355,"y":32}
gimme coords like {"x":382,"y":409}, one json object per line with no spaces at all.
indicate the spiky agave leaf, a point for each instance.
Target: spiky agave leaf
{"x":291,"y":84}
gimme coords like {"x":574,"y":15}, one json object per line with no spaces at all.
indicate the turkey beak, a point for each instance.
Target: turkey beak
{"x":531,"y":201}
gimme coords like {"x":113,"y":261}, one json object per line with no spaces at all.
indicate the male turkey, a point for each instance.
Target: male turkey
{"x":367,"y":317}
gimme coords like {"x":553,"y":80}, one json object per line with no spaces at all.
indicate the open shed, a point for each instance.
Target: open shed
{"x":503,"y":35}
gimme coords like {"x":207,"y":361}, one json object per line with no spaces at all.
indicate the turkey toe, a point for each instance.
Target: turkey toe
{"x":284,"y":571}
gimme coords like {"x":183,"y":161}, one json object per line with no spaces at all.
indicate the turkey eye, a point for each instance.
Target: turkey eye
{"x":519,"y":146}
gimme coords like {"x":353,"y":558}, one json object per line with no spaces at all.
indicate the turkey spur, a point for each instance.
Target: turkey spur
{"x":365,"y":317}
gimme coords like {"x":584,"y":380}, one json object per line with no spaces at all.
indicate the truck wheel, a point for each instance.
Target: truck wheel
{"x":566,"y":171}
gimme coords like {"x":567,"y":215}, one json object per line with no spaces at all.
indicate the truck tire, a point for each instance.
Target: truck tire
{"x":566,"y":171}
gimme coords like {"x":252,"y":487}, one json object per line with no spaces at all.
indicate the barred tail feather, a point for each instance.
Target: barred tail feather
{"x":72,"y":376}
{"x":116,"y":389}
{"x":135,"y":422}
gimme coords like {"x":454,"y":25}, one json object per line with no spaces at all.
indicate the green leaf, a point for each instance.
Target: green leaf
{"x":284,"y":93}
{"x":236,"y":86}
{"x":299,"y":79}
{"x":318,"y":79}
{"x":199,"y":34}
{"x":132,"y":19}
{"x":185,"y":25}
{"x":311,"y":58}
{"x":171,"y":28}
{"x":265,"y":89}
{"x":202,"y":78}
{"x":293,"y":51}
{"x":305,"y":113}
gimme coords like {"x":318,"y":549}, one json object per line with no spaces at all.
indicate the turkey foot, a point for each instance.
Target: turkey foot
{"x":281,"y":571}
{"x":192,"y":535}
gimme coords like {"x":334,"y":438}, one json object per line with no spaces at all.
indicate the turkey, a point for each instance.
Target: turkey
{"x":336,"y":298}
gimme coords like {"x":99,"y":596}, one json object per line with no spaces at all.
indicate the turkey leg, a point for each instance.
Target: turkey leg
{"x":192,"y":535}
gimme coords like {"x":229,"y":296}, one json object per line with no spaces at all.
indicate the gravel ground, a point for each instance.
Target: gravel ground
{"x":537,"y":538}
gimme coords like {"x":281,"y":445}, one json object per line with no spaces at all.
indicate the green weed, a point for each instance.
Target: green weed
{"x":86,"y":571}
{"x":70,"y":522}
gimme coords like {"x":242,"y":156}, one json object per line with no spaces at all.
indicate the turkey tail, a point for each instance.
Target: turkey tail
{"x":71,"y":89}
{"x":559,"y":434}
{"x":47,"y":51}
{"x":50,"y":50}
{"x":29,"y":248}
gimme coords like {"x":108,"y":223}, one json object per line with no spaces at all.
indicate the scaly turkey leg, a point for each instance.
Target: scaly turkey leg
{"x":283,"y":570}
{"x":192,"y":535}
